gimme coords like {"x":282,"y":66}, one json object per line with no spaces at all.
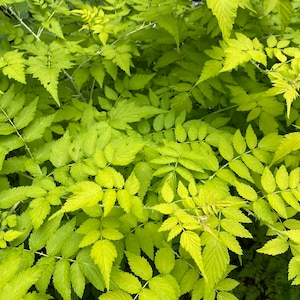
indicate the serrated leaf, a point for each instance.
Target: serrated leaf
{"x":77,"y":279}
{"x":230,"y":242}
{"x":39,"y":208}
{"x":268,"y":181}
{"x":263,"y":211}
{"x":238,"y":142}
{"x":227,"y":284}
{"x":274,"y":247}
{"x":146,"y":294}
{"x":190,"y":241}
{"x":246,"y":191}
{"x":108,"y":200}
{"x":240,"y":169}
{"x":18,"y":287}
{"x":278,"y":204}
{"x":61,"y":278}
{"x":216,"y":260}
{"x":180,"y":133}
{"x":165,"y":287}
{"x":226,"y":149}
{"x":225,"y":12}
{"x":290,"y":143}
{"x":58,"y":155}
{"x":251,"y":138}
{"x":253,"y":163}
{"x":90,"y":238}
{"x":40,"y":237}
{"x":188,"y":281}
{"x":286,"y":11}
{"x":139,"y":266}
{"x":98,"y":72}
{"x":170,"y":24}
{"x":235,"y":214}
{"x":104,"y":254}
{"x":139,"y":81}
{"x":123,"y":61}
{"x":13,"y":65}
{"x":56,"y":242}
{"x":112,"y":234}
{"x":144,"y":173}
{"x":294,"y":178}
{"x":124,"y":199}
{"x":164,"y":260}
{"x":126,"y":281}
{"x":210,"y":69}
{"x":167,"y":192}
{"x":85,"y":194}
{"x":36,"y":129}
{"x":235,"y":228}
{"x":294,"y":267}
{"x":132,"y":184}
{"x":23,"y":118}
{"x":294,"y":235}
{"x":115,"y":295}
{"x":290,"y":199}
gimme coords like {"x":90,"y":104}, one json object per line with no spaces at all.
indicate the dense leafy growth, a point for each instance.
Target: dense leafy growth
{"x":143,"y":144}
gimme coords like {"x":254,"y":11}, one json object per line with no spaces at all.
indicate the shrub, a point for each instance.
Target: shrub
{"x":141,"y":141}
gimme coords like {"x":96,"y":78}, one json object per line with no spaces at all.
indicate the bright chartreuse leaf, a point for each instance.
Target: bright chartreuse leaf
{"x":61,"y":278}
{"x":130,"y":112}
{"x":225,"y":12}
{"x":104,"y":253}
{"x":274,"y":247}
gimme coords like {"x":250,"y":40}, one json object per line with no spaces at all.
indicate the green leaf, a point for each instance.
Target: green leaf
{"x":61,"y":278}
{"x":225,"y":148}
{"x":286,"y":12}
{"x":216,"y":260}
{"x":170,"y":24}
{"x":123,"y":58}
{"x":263,"y":211}
{"x":164,"y":260}
{"x":90,"y":238}
{"x":147,"y":294}
{"x":139,"y":266}
{"x":251,"y":138}
{"x":9,"y":266}
{"x":235,"y":228}
{"x":188,"y":281}
{"x":129,"y":112}
{"x":278,"y":204}
{"x":268,"y":181}
{"x":13,"y":65}
{"x":294,"y":267}
{"x":47,"y":264}
{"x":294,"y":235}
{"x":115,"y":295}
{"x":20,"y":284}
{"x":85,"y":194}
{"x":36,"y":129}
{"x":253,"y":163}
{"x":190,"y":241}
{"x":126,"y":281}
{"x":40,"y":237}
{"x":239,"y":143}
{"x":108,"y":200}
{"x":143,"y":172}
{"x":274,"y":247}
{"x":139,"y":81}
{"x":180,"y":133}
{"x":98,"y":72}
{"x":227,"y":284}
{"x":104,"y":254}
{"x":58,"y":155}
{"x":290,"y":143}
{"x":124,"y":199}
{"x":246,"y":191}
{"x":56,"y":242}
{"x":225,"y":12}
{"x":77,"y":279}
{"x":165,"y":287}
{"x":39,"y":208}
{"x":23,"y":118}
{"x":167,"y":192}
{"x":132,"y":184}
{"x":240,"y":169}
{"x":230,"y":242}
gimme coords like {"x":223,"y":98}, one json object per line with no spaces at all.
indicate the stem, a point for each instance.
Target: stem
{"x":23,"y":23}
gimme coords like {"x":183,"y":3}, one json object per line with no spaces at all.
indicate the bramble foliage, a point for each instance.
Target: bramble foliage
{"x":140,"y":140}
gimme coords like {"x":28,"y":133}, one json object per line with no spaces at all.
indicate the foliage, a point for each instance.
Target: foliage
{"x":140,"y":140}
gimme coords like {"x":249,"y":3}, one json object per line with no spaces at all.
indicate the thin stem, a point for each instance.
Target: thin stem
{"x":23,"y":23}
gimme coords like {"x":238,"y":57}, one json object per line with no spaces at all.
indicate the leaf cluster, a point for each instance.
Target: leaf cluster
{"x":139,"y":143}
